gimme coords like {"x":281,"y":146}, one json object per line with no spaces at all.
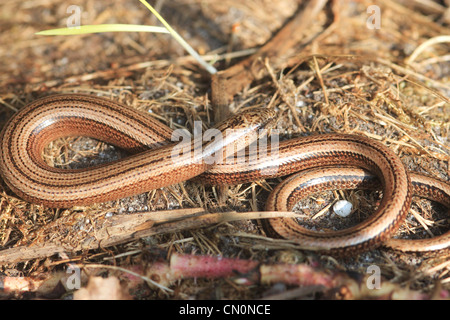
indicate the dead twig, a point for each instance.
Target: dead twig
{"x":124,"y":228}
{"x":332,"y":284}
{"x":225,"y":84}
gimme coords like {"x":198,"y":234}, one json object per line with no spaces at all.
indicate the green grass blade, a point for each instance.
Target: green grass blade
{"x":103,"y":28}
{"x":133,"y":28}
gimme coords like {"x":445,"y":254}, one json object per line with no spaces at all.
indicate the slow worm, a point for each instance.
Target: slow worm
{"x":301,"y":185}
{"x":151,"y":164}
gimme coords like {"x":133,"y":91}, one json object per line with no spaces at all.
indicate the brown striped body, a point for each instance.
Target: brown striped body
{"x":302,"y":185}
{"x":44,"y":120}
{"x":152,"y":165}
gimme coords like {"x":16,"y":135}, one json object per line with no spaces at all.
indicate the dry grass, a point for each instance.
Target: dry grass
{"x":343,"y":77}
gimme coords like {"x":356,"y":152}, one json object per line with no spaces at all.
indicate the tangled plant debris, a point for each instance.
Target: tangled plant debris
{"x":336,"y":75}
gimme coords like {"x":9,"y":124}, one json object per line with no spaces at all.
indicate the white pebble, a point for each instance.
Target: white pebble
{"x":342,"y":208}
{"x":300,"y":104}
